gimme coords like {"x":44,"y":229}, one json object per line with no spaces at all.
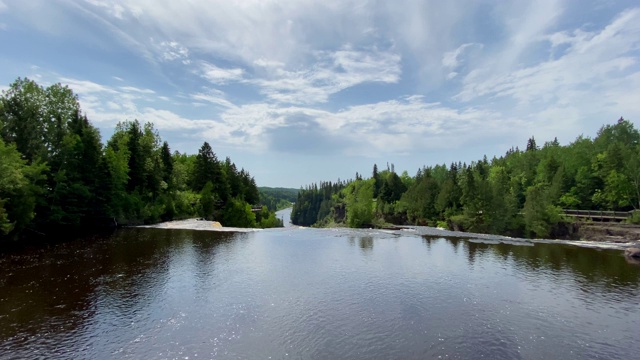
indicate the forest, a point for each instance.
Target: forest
{"x":277,"y":198}
{"x":522,"y":193}
{"x":56,"y":175}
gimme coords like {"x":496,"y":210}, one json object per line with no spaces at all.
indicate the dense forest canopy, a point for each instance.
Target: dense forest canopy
{"x":521,"y":193}
{"x":57,"y":175}
{"x":277,"y":198}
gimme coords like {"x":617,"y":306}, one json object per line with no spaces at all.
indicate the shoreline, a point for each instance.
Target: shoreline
{"x":490,"y":238}
{"x":616,"y":242}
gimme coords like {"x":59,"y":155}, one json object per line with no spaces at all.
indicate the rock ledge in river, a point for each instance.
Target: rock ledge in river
{"x":632,"y":252}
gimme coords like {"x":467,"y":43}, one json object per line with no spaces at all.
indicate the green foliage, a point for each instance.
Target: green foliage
{"x":182,"y":169}
{"x":167,"y":164}
{"x":521,"y":193}
{"x":359,"y":203}
{"x":56,"y":175}
{"x":635,"y":218}
{"x":441,"y":224}
{"x":539,"y":214}
{"x":206,"y":169}
{"x":185,"y":203}
{"x":267,"y":219}
{"x":238,"y":213}
{"x":18,"y":190}
{"x":277,"y":198}
{"x":316,"y":204}
{"x":207,"y":201}
{"x":23,"y":118}
{"x":116,"y":159}
{"x":392,"y":188}
{"x":74,"y":175}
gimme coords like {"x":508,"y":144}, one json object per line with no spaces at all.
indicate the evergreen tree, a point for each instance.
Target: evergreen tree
{"x":377,"y":184}
{"x":531,"y":144}
{"x":206,"y":168}
{"x":167,"y":164}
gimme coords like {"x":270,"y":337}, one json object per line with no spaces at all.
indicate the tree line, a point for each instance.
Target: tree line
{"x":56,"y":174}
{"x":521,"y":193}
{"x":277,"y":198}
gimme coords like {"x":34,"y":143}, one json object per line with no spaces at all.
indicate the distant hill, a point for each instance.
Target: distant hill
{"x":277,"y":198}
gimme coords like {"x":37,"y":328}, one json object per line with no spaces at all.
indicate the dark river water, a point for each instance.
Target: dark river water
{"x":315,"y":294}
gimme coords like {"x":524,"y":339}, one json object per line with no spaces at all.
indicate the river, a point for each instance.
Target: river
{"x":305,"y":293}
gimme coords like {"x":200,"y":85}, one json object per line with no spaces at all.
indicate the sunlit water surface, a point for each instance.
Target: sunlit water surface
{"x":315,"y":294}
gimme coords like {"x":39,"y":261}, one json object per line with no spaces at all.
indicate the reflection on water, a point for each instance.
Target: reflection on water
{"x":364,"y":242}
{"x":315,"y":293}
{"x":593,"y":267}
{"x":631,"y":260}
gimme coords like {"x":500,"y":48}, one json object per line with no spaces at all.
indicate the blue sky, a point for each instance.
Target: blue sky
{"x":301,"y":91}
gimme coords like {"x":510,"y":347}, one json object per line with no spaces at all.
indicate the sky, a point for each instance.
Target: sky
{"x":305,"y":91}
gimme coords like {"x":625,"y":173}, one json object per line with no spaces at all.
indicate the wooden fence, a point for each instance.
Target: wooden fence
{"x":598,"y":215}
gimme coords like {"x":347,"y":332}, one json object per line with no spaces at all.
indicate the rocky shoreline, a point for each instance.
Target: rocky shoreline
{"x":609,"y":232}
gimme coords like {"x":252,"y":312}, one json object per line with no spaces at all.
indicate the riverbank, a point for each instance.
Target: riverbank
{"x":609,"y":232}
{"x":604,"y":236}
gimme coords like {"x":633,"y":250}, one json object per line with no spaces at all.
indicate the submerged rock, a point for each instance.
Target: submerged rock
{"x":632,"y":252}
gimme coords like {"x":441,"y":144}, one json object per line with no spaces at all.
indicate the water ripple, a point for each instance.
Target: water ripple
{"x":315,"y":293}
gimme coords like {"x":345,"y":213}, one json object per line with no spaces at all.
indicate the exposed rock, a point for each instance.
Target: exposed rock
{"x":197,"y":224}
{"x":609,"y":232}
{"x":632,"y":252}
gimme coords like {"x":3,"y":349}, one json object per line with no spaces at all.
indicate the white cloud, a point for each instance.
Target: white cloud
{"x":268,"y":64}
{"x":367,"y":65}
{"x":113,"y":105}
{"x":423,"y":31}
{"x":105,"y":106}
{"x":332,"y":73}
{"x":518,"y":70}
{"x":288,"y":35}
{"x":214,"y":97}
{"x":172,"y":51}
{"x":527,"y":23}
{"x":250,"y":32}
{"x":451,"y":59}
{"x":590,"y":60}
{"x":168,"y":120}
{"x":113,"y":8}
{"x":85,"y":86}
{"x":398,"y":126}
{"x":3,"y":7}
{"x":220,"y":76}
{"x":136,"y":90}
